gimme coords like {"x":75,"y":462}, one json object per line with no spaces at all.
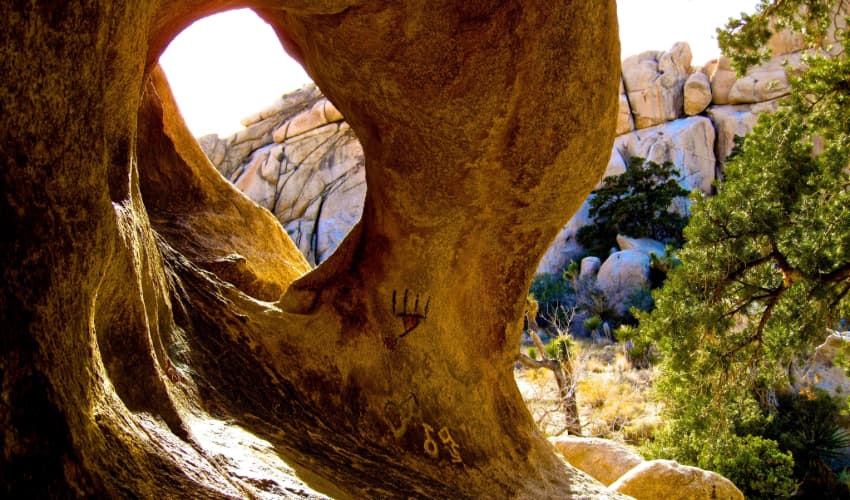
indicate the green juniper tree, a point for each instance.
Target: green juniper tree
{"x":765,"y":268}
{"x":635,"y":203}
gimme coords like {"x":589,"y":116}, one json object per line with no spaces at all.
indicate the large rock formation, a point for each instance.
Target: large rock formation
{"x":667,"y":111}
{"x":654,"y":82}
{"x":146,"y":303}
{"x":688,"y":116}
{"x":302,"y":162}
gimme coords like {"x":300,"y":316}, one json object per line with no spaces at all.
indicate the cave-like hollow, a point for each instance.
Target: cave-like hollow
{"x":143,"y":294}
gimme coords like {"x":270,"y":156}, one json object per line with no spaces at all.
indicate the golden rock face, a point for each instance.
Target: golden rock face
{"x":142,"y":293}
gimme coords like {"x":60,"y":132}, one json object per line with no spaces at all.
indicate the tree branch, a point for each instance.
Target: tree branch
{"x":525,"y":360}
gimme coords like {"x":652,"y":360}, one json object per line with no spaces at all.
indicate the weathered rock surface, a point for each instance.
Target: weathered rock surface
{"x":697,"y":94}
{"x":625,"y":121}
{"x":309,"y":171}
{"x":734,"y":120}
{"x":722,"y":77}
{"x":565,"y":248}
{"x":654,"y":84}
{"x":666,"y":479}
{"x":589,"y":267}
{"x":697,"y":145}
{"x":643,"y":245}
{"x":623,"y":274}
{"x":604,"y":459}
{"x":143,"y":292}
{"x":230,"y":153}
{"x":687,"y":143}
{"x":762,"y":83}
{"x":822,"y":370}
{"x":625,"y":471}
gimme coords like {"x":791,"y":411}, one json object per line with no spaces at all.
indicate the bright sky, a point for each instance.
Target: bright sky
{"x":228,"y":66}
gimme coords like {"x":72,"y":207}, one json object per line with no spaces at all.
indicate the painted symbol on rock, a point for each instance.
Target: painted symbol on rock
{"x":454,"y":448}
{"x":410,"y":318}
{"x":432,"y":449}
{"x":399,"y":415}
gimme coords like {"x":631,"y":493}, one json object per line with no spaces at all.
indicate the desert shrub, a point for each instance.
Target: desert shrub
{"x":550,"y":291}
{"x":638,"y":348}
{"x":561,"y":349}
{"x":593,"y":324}
{"x":639,"y":432}
{"x":639,"y":301}
{"x":755,"y":464}
{"x":566,"y":301}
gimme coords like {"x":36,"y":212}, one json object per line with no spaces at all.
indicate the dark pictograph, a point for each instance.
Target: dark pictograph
{"x":411,"y":316}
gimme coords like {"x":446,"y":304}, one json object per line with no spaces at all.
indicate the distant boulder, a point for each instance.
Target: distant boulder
{"x":697,"y":94}
{"x":645,"y":245}
{"x":822,"y":370}
{"x":589,"y":267}
{"x":622,"y":275}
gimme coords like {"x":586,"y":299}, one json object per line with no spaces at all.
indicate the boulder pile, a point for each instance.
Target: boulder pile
{"x":300,"y":160}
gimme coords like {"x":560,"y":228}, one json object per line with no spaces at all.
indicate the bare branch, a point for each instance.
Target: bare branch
{"x":536,"y":363}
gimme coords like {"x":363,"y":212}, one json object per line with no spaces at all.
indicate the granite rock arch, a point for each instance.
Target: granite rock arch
{"x":141,"y":293}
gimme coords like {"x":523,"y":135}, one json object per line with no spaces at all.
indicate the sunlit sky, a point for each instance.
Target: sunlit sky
{"x":228,"y":66}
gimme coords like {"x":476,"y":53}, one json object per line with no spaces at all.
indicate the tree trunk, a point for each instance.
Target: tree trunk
{"x":145,"y":300}
{"x":563,"y":372}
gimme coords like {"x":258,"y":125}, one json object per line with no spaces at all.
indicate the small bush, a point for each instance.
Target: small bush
{"x":639,"y":349}
{"x":561,"y":349}
{"x":593,"y":323}
{"x":550,"y":291}
{"x":642,"y":431}
{"x":756,"y":465}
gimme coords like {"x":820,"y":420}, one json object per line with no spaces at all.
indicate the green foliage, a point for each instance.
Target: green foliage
{"x":561,"y":349}
{"x":659,"y":267}
{"x":550,"y":290}
{"x":755,"y":464}
{"x":744,"y":38}
{"x":808,"y":426}
{"x":558,"y":296}
{"x":532,"y":353}
{"x":764,"y":271}
{"x":571,"y":273}
{"x":639,"y":348}
{"x":844,"y":477}
{"x":639,"y":301}
{"x":635,"y":203}
{"x":593,"y":323}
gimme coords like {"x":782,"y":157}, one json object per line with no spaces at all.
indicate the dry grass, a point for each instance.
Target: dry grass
{"x":614,"y":399}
